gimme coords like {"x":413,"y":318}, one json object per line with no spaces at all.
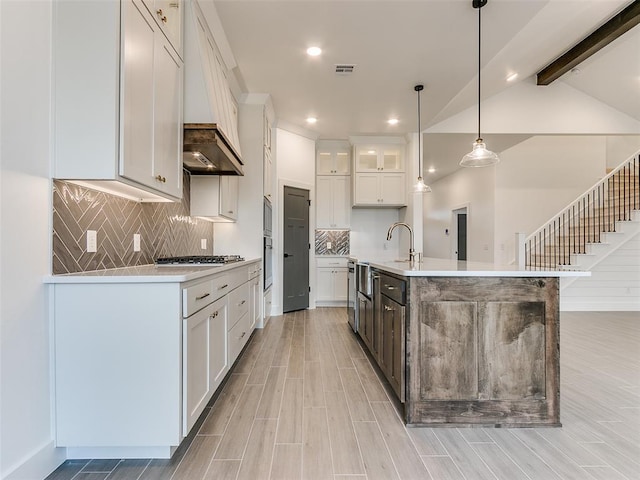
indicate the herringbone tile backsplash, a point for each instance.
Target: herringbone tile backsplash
{"x":166,"y":229}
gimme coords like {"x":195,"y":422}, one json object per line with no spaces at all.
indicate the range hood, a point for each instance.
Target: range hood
{"x":206,"y":151}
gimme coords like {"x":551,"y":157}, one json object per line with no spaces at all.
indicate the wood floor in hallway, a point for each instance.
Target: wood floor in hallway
{"x":303,"y":402}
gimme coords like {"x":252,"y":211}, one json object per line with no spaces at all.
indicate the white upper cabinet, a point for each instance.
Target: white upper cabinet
{"x":208,"y":97}
{"x":333,"y":209}
{"x":117,"y":100}
{"x":332,"y":160}
{"x":215,"y":197}
{"x":379,"y":158}
{"x":379,"y":179}
{"x":168,"y":15}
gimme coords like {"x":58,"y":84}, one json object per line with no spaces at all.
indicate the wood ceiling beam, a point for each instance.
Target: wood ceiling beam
{"x":603,"y":36}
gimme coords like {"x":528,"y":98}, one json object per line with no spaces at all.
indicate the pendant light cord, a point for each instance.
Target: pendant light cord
{"x":479,"y":64}
{"x":419,"y":135}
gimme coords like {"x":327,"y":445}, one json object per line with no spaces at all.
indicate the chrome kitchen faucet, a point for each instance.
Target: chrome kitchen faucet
{"x":412,"y":252}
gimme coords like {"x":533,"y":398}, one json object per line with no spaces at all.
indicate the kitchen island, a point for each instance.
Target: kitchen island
{"x":468,"y":344}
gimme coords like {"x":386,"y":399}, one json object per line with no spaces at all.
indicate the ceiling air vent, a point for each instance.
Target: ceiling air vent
{"x":344,"y":69}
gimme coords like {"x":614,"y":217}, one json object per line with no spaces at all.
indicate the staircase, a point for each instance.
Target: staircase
{"x":591,"y":228}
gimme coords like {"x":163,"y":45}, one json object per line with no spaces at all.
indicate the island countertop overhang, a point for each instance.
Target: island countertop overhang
{"x":442,"y":267}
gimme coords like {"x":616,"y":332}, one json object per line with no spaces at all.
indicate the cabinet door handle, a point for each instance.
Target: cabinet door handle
{"x":387,"y":308}
{"x":242,"y":303}
{"x":162,"y":17}
{"x":160,"y":178}
{"x":243,"y":334}
{"x":389,"y":287}
{"x":203,"y":296}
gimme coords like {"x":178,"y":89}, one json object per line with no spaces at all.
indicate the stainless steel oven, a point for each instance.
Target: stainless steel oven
{"x":268,"y":262}
{"x":267,"y":253}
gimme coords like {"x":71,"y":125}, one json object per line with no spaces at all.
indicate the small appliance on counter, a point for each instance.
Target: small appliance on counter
{"x":197,"y":260}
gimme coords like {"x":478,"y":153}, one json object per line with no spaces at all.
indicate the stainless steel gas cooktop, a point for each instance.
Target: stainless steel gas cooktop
{"x":206,"y":260}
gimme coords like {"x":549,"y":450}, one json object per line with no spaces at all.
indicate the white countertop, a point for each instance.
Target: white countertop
{"x":146,"y":274}
{"x":442,"y":267}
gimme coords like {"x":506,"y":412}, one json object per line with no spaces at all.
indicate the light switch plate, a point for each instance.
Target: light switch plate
{"x":92,"y":241}
{"x":328,"y":245}
{"x":136,"y":242}
{"x":203,"y":243}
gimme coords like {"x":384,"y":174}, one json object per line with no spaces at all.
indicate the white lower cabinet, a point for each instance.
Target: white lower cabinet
{"x":205,"y":358}
{"x":137,"y":361}
{"x":331,"y":281}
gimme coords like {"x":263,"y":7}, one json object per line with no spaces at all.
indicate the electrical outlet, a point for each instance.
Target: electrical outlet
{"x":92,"y":241}
{"x":203,"y":243}
{"x":136,"y":242}
{"x":328,"y":245}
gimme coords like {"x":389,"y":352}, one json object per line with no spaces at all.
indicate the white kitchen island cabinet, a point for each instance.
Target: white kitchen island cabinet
{"x":117,"y":101}
{"x":140,"y":351}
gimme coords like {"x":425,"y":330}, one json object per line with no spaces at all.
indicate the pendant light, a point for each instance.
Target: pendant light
{"x":479,"y":156}
{"x":420,"y":186}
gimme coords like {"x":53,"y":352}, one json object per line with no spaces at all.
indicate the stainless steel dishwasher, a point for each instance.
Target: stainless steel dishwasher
{"x":352,"y":294}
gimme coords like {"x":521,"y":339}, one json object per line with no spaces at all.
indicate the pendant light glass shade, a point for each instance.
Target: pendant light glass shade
{"x":479,"y":156}
{"x":420,"y":186}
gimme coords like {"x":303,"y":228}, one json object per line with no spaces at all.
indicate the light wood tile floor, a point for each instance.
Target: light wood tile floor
{"x":303,"y":402}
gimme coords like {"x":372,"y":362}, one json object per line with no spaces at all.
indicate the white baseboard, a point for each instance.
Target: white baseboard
{"x":40,"y":464}
{"x":586,"y":306}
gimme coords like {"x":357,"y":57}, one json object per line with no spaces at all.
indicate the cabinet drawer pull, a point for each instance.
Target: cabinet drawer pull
{"x":243,"y":334}
{"x":242,"y":303}
{"x":203,"y":296}
{"x":387,"y":308}
{"x":223,"y":286}
{"x":389,"y":287}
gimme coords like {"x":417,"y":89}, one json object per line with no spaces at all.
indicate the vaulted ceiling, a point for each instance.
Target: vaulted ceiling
{"x":397,"y":44}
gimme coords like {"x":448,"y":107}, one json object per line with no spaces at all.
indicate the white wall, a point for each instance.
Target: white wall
{"x":555,"y":109}
{"x":621,"y":148}
{"x":537,"y":178}
{"x":294,"y":166}
{"x":473,"y":188}
{"x":369,"y":233}
{"x":26,"y":446}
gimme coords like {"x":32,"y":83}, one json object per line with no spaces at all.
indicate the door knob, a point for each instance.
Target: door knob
{"x":286,"y":255}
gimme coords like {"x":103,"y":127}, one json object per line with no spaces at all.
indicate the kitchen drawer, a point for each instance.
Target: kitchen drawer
{"x":332,"y":262}
{"x":238,"y":304}
{"x":254,"y":270}
{"x":196,"y":297}
{"x":237,"y":337}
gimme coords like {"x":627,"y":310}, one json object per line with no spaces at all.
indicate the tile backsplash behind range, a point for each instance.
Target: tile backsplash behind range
{"x":165,"y":229}
{"x":338,"y":239}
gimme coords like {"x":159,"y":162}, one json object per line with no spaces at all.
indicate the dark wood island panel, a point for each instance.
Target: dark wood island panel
{"x":483,"y":351}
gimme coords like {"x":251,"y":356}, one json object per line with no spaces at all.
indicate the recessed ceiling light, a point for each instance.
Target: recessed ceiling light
{"x":392,"y":121}
{"x":511,"y":77}
{"x":312,"y":119}
{"x":314,"y":51}
{"x":431,"y":170}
